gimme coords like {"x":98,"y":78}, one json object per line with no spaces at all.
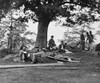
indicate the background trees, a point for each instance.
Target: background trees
{"x":14,"y":32}
{"x":80,"y":22}
{"x":47,"y":10}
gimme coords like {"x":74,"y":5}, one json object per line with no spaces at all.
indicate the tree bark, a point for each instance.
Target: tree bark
{"x":41,"y":40}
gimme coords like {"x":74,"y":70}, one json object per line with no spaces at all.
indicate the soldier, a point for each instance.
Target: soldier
{"x":23,"y":53}
{"x":82,"y":37}
{"x":62,"y":47}
{"x":51,"y":43}
{"x":91,"y":37}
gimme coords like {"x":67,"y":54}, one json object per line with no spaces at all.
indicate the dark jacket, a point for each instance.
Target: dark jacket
{"x":62,"y":46}
{"x":91,"y":37}
{"x":51,"y":43}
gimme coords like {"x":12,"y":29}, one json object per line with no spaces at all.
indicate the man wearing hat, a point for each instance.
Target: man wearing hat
{"x":51,"y":43}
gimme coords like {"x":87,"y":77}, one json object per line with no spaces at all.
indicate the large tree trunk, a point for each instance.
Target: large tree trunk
{"x":41,"y":40}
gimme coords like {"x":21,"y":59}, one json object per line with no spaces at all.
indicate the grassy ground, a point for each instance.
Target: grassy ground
{"x":87,"y":71}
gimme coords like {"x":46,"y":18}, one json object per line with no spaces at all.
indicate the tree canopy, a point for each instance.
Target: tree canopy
{"x":47,"y":10}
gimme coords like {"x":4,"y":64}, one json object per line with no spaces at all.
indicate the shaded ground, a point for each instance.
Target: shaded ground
{"x":87,"y":71}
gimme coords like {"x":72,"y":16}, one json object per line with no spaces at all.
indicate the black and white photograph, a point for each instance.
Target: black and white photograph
{"x":49,"y":41}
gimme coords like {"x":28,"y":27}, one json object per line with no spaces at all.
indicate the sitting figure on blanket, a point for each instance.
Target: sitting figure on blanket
{"x":23,"y":53}
{"x":62,"y":47}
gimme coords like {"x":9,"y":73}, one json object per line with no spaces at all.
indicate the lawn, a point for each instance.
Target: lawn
{"x":87,"y":71}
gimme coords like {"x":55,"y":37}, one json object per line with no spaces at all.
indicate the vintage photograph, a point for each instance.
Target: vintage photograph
{"x":49,"y":41}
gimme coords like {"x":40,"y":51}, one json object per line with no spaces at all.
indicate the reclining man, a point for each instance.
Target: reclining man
{"x":41,"y":53}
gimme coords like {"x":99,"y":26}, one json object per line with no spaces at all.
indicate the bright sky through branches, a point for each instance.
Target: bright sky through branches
{"x":58,"y":31}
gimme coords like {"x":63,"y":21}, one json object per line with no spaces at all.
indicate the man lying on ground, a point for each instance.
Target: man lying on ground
{"x":60,"y":57}
{"x":41,"y":53}
{"x":55,"y":56}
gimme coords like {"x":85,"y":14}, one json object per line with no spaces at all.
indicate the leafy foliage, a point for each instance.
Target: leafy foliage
{"x":48,"y":10}
{"x":51,"y":8}
{"x":18,"y":29}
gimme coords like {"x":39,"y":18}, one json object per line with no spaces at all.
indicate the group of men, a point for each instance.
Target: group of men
{"x":52,"y":45}
{"x":24,"y":55}
{"x":87,"y":42}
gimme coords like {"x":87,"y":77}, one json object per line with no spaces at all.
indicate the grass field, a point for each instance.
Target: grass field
{"x":87,"y":71}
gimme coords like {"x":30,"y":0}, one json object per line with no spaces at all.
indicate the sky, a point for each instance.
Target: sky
{"x":58,"y":31}
{"x":53,"y":29}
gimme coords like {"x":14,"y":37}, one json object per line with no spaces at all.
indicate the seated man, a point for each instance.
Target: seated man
{"x":51,"y":44}
{"x":62,"y":47}
{"x":33,"y":57}
{"x":23,"y":53}
{"x":39,"y":54}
